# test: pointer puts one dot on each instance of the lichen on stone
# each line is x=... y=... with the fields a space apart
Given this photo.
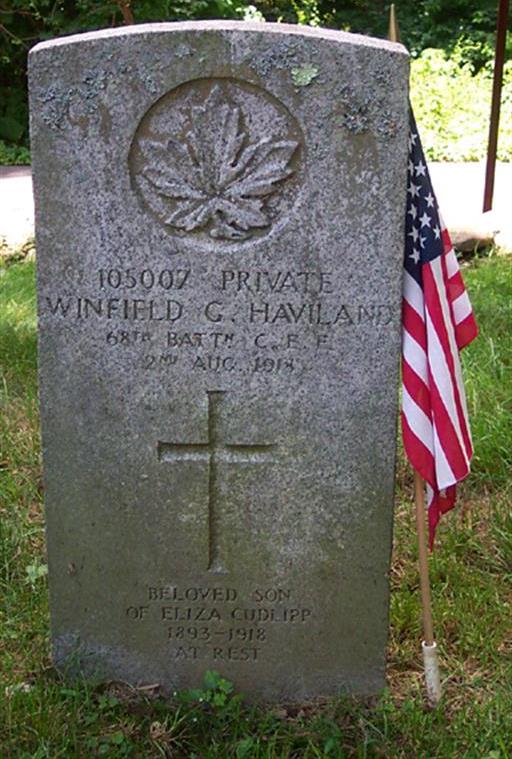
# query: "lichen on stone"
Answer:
x=304 y=75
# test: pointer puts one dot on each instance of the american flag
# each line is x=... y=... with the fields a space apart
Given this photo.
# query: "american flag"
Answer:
x=437 y=323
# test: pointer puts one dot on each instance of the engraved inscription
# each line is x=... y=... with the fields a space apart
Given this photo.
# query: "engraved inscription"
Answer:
x=246 y=321
x=217 y=159
x=165 y=279
x=214 y=452
x=220 y=623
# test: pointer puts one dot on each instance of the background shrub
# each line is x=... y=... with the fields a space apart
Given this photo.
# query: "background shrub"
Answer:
x=464 y=32
x=452 y=107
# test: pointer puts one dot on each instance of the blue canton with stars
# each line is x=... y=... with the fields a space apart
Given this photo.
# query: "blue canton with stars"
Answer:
x=423 y=239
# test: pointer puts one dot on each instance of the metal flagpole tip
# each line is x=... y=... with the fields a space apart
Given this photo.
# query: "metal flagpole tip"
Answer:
x=432 y=678
x=393 y=31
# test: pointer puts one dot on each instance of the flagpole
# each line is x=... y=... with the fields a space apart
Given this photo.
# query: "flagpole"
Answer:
x=393 y=31
x=428 y=644
x=419 y=499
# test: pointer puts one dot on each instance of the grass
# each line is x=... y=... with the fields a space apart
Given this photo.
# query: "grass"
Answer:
x=43 y=716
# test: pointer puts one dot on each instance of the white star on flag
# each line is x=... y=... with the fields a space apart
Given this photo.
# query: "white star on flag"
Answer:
x=420 y=169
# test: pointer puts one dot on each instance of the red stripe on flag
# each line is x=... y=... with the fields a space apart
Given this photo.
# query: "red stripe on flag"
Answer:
x=466 y=331
x=457 y=371
x=440 y=504
x=454 y=287
x=445 y=236
x=416 y=388
x=448 y=437
x=435 y=311
x=414 y=324
x=418 y=454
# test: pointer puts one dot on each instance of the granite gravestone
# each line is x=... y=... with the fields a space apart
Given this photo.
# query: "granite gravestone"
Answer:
x=220 y=214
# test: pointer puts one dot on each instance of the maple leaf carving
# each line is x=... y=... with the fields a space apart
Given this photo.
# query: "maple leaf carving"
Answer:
x=215 y=177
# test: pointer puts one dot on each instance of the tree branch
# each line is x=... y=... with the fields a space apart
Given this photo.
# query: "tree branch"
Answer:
x=125 y=7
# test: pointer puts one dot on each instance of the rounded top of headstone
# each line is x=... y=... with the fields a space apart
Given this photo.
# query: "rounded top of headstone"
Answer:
x=241 y=27
x=219 y=132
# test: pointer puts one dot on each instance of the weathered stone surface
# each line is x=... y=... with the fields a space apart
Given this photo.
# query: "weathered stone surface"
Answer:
x=219 y=226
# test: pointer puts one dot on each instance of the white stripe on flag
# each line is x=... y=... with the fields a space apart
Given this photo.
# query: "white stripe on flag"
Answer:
x=413 y=294
x=415 y=356
x=441 y=375
x=461 y=307
x=417 y=420
x=444 y=474
x=452 y=265
x=437 y=270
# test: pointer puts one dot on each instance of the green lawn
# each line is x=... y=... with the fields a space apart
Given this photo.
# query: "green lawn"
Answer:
x=40 y=716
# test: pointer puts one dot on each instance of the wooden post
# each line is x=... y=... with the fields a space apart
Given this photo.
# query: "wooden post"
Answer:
x=492 y=149
x=419 y=499
x=428 y=645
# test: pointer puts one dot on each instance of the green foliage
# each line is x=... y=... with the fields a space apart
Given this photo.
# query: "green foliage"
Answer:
x=453 y=25
x=35 y=572
x=23 y=23
x=42 y=716
x=14 y=155
x=452 y=106
x=458 y=27
x=216 y=697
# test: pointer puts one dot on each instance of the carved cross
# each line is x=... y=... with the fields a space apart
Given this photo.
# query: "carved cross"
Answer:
x=215 y=452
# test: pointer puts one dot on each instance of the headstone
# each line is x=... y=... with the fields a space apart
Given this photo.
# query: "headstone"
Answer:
x=220 y=213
